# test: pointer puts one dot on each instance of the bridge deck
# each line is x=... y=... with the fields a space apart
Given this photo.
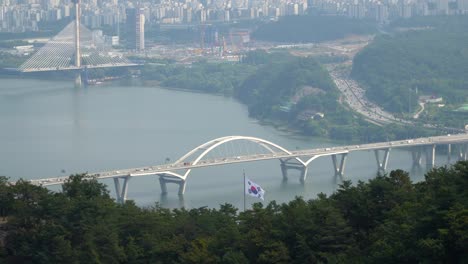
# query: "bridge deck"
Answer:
x=77 y=68
x=318 y=152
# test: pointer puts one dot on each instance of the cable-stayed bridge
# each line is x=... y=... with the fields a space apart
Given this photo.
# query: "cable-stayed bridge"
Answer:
x=59 y=53
x=240 y=149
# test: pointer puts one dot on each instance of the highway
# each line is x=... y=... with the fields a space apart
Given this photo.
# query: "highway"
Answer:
x=355 y=97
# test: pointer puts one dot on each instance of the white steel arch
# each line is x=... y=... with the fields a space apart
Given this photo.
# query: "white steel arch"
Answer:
x=212 y=144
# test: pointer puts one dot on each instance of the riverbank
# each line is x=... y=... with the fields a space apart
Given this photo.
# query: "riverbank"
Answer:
x=291 y=94
x=347 y=134
x=365 y=129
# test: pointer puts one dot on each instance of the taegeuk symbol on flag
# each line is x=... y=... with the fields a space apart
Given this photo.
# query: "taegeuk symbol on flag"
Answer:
x=253 y=189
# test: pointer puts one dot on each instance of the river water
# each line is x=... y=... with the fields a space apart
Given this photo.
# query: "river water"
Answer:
x=49 y=128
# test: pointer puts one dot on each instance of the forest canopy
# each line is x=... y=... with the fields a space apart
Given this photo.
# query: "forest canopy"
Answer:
x=431 y=59
x=387 y=219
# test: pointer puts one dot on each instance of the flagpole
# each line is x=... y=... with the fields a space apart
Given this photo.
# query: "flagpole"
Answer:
x=244 y=190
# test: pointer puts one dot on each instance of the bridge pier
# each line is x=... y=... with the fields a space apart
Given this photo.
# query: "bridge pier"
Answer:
x=78 y=81
x=449 y=153
x=463 y=152
x=303 y=174
x=121 y=193
x=284 y=171
x=164 y=181
x=430 y=156
x=339 y=168
x=285 y=166
x=416 y=154
x=382 y=165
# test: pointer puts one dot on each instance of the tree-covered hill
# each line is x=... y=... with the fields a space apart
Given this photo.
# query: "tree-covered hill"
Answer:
x=432 y=61
x=300 y=93
x=388 y=219
x=219 y=78
x=275 y=83
x=288 y=91
x=312 y=28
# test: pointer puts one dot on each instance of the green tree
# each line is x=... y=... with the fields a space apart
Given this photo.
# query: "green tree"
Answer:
x=6 y=197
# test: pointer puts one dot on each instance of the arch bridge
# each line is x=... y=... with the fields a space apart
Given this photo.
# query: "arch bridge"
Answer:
x=239 y=149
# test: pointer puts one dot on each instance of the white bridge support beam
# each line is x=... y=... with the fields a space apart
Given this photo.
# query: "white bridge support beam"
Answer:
x=78 y=80
x=449 y=153
x=430 y=156
x=284 y=171
x=339 y=168
x=286 y=165
x=463 y=152
x=163 y=181
x=303 y=175
x=121 y=193
x=416 y=154
x=382 y=165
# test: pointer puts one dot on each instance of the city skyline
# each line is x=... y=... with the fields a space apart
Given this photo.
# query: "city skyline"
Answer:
x=27 y=15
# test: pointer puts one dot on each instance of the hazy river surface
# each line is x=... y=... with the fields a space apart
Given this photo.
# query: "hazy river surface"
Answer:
x=49 y=126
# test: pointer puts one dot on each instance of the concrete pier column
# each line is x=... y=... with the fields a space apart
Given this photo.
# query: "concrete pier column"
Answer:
x=449 y=153
x=339 y=168
x=466 y=153
x=293 y=165
x=284 y=170
x=163 y=185
x=163 y=181
x=430 y=156
x=303 y=175
x=463 y=152
x=382 y=165
x=121 y=191
x=416 y=155
x=460 y=152
x=182 y=187
x=78 y=81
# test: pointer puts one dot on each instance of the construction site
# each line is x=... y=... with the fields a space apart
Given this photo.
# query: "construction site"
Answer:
x=210 y=43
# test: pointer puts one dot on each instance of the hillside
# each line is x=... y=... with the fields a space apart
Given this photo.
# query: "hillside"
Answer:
x=429 y=57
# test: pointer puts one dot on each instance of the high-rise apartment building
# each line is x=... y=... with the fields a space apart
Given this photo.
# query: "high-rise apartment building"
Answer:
x=140 y=30
x=135 y=28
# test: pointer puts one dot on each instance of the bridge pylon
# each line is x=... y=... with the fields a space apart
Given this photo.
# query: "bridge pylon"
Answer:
x=292 y=164
x=121 y=191
x=449 y=153
x=163 y=181
x=430 y=156
x=416 y=154
x=382 y=165
x=339 y=167
x=78 y=80
x=463 y=152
